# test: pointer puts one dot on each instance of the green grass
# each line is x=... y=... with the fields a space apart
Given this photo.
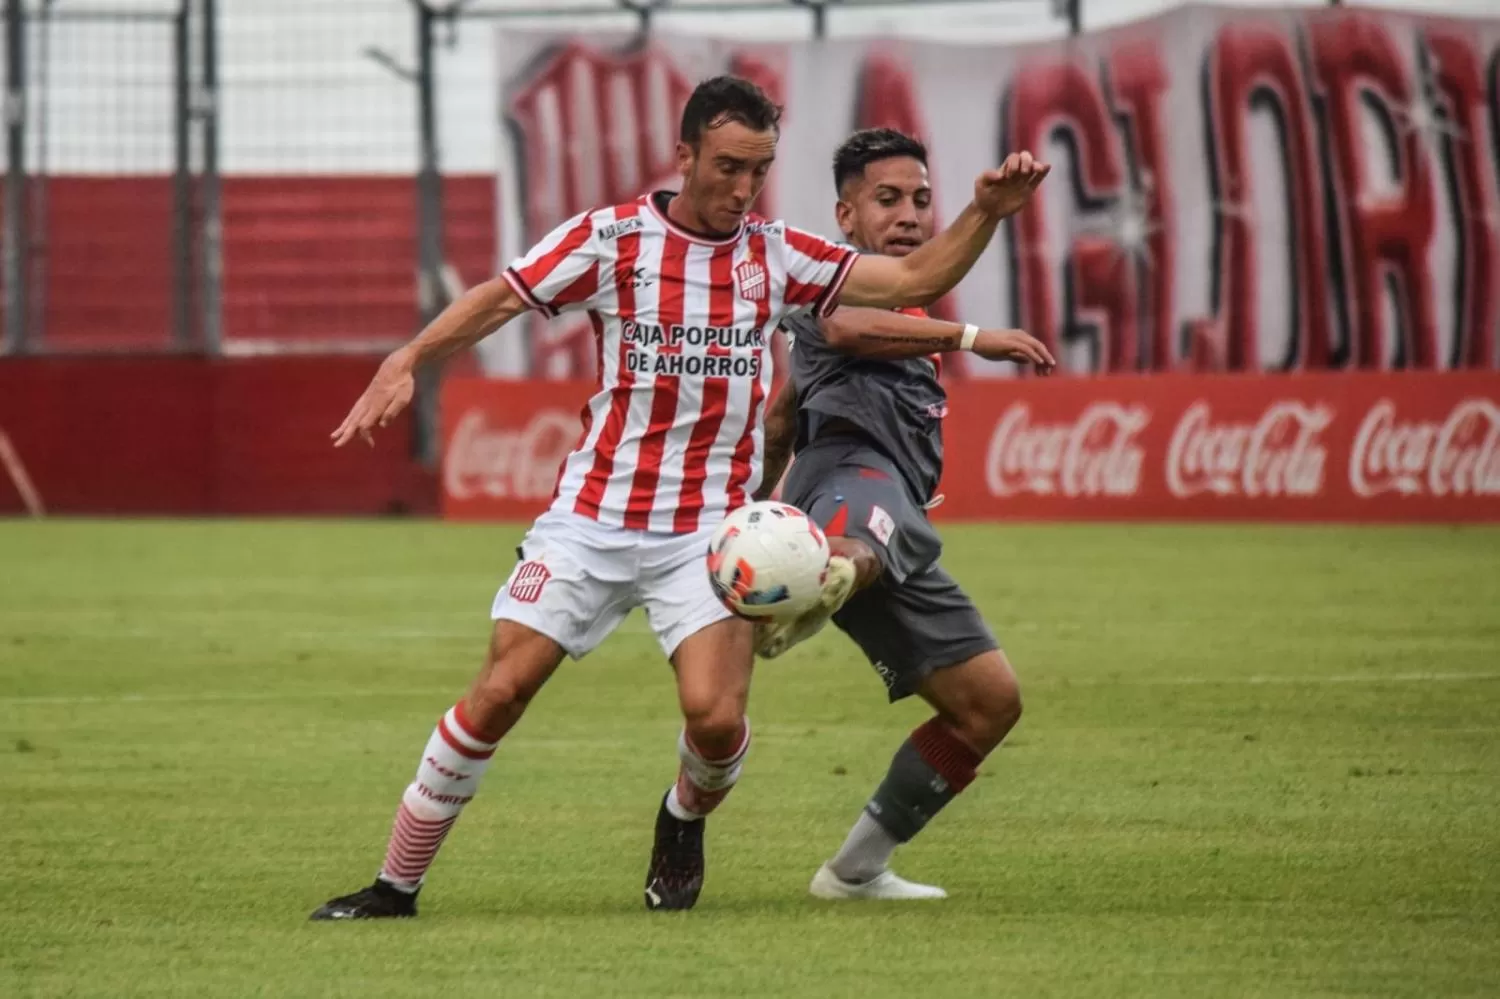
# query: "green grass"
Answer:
x=1254 y=762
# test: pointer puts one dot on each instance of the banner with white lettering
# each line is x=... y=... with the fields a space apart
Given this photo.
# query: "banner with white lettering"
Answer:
x=1409 y=446
x=1234 y=190
x=504 y=443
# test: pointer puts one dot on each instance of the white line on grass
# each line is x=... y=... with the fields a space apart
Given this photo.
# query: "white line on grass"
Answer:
x=220 y=696
x=1255 y=681
x=335 y=695
x=336 y=633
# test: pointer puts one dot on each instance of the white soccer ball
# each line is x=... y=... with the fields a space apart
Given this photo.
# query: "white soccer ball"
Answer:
x=768 y=559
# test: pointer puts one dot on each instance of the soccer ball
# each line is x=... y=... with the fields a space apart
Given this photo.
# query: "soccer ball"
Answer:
x=768 y=559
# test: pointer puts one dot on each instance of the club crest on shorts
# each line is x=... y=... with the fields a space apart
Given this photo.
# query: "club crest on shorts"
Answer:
x=750 y=277
x=882 y=525
x=526 y=585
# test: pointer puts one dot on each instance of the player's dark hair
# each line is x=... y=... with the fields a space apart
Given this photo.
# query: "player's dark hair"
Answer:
x=871 y=145
x=724 y=99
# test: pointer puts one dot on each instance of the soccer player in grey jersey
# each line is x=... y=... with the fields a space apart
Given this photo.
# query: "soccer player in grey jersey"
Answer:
x=864 y=410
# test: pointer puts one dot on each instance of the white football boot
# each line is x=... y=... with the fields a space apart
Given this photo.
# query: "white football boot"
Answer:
x=772 y=638
x=887 y=885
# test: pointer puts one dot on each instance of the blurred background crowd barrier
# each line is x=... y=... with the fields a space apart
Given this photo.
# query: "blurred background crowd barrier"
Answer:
x=218 y=214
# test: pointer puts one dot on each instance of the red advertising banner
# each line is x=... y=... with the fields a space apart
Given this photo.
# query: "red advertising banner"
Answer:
x=1342 y=447
x=1335 y=447
x=504 y=443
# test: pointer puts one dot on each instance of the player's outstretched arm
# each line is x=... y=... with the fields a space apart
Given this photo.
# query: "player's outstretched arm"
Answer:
x=468 y=319
x=929 y=273
x=781 y=435
x=882 y=335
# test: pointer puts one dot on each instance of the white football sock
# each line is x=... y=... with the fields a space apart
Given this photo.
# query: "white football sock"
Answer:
x=866 y=852
x=452 y=763
x=703 y=783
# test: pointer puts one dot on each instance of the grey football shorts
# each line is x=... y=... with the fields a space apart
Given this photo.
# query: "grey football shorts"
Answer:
x=915 y=619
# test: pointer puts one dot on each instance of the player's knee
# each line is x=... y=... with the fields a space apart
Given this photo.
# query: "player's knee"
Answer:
x=1005 y=703
x=514 y=672
x=999 y=707
x=500 y=690
x=989 y=708
x=715 y=727
x=496 y=702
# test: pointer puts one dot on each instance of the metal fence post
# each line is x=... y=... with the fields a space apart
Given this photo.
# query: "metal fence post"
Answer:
x=16 y=275
x=430 y=294
x=182 y=184
x=212 y=271
x=819 y=11
x=642 y=9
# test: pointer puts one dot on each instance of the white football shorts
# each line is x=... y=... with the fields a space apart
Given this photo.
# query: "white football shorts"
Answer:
x=577 y=579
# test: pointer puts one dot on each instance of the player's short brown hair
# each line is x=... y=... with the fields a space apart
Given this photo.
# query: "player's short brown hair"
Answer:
x=723 y=99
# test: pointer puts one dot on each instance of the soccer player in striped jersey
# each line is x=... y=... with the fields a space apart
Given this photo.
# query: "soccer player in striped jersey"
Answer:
x=865 y=410
x=684 y=291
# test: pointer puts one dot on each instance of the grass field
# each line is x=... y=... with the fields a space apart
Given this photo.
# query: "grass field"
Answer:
x=1254 y=762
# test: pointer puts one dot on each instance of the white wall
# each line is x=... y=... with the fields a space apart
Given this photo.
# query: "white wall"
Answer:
x=300 y=95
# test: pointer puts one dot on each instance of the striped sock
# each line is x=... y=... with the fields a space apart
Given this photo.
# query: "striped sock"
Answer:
x=452 y=763
x=702 y=784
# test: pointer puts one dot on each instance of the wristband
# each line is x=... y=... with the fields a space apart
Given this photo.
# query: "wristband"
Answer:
x=971 y=333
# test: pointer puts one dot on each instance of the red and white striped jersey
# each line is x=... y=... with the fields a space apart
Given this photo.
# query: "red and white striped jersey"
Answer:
x=672 y=439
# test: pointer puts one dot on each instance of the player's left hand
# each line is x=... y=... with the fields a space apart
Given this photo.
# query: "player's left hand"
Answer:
x=1003 y=192
x=1015 y=345
x=389 y=392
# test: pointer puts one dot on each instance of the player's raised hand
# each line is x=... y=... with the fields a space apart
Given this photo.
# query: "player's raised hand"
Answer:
x=389 y=392
x=1003 y=192
x=1015 y=345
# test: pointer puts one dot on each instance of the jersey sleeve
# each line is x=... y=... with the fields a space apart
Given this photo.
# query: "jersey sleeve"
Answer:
x=802 y=328
x=560 y=273
x=815 y=271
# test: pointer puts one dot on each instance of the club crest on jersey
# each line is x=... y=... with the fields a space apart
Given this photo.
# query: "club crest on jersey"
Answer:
x=526 y=585
x=750 y=278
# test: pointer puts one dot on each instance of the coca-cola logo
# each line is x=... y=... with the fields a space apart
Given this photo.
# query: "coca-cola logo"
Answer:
x=1280 y=454
x=1095 y=455
x=507 y=462
x=1459 y=456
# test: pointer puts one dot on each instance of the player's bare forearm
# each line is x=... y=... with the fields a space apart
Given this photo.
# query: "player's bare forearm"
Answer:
x=928 y=273
x=941 y=263
x=474 y=315
x=878 y=334
x=881 y=335
x=468 y=319
x=781 y=435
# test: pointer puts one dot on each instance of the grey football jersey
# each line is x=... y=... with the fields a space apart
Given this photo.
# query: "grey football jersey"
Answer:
x=899 y=405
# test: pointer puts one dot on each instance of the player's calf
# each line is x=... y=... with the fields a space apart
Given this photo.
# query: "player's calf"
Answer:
x=519 y=663
x=931 y=768
x=713 y=684
x=979 y=700
x=454 y=760
x=713 y=667
x=674 y=876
